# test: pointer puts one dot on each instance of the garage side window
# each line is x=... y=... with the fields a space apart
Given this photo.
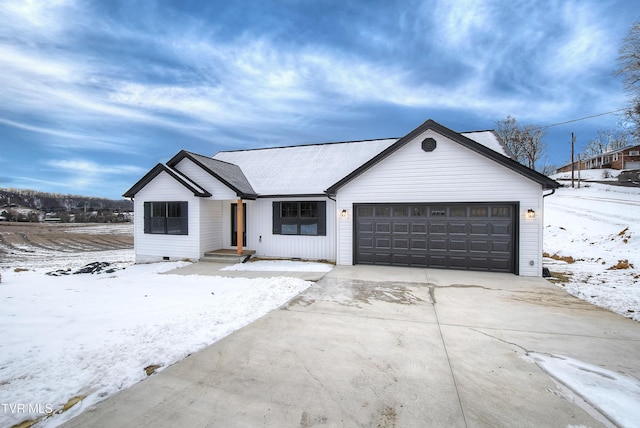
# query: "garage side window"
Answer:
x=300 y=218
x=168 y=218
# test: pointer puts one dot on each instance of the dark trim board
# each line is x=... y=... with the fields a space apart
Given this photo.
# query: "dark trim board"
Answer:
x=478 y=236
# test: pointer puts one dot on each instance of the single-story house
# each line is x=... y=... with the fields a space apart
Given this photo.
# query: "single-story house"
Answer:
x=434 y=198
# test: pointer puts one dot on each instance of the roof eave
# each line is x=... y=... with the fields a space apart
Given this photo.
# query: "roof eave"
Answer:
x=545 y=181
x=185 y=154
x=153 y=173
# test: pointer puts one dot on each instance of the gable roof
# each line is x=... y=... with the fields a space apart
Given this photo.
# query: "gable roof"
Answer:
x=229 y=174
x=545 y=181
x=302 y=170
x=321 y=169
x=176 y=175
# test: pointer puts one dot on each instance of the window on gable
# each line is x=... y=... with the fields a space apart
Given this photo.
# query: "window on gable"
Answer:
x=300 y=218
x=168 y=218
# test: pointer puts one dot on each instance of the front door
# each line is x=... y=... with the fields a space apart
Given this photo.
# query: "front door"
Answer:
x=234 y=225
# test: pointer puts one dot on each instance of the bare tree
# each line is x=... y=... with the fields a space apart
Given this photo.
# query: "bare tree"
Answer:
x=629 y=62
x=524 y=141
x=509 y=131
x=606 y=141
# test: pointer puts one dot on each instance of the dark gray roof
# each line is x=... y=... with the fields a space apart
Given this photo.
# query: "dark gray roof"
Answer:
x=229 y=174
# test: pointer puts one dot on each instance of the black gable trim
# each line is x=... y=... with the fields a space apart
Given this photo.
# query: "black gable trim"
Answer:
x=193 y=157
x=154 y=173
x=545 y=181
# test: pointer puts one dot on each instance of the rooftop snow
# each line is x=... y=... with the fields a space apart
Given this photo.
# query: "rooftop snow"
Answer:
x=278 y=171
x=490 y=140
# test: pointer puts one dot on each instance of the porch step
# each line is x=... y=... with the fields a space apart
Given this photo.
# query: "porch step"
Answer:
x=227 y=256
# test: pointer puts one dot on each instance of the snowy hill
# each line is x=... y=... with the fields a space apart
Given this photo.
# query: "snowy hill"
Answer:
x=592 y=244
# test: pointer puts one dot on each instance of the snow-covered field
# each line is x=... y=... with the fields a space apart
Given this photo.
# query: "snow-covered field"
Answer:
x=92 y=335
x=597 y=230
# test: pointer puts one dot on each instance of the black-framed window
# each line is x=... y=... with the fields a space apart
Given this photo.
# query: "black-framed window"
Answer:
x=300 y=218
x=168 y=218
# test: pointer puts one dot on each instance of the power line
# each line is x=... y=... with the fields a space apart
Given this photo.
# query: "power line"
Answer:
x=577 y=120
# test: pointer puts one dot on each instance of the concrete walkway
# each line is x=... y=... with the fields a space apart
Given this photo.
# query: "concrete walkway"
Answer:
x=388 y=347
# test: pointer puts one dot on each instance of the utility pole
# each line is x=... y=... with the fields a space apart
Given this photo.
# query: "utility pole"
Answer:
x=579 y=169
x=573 y=140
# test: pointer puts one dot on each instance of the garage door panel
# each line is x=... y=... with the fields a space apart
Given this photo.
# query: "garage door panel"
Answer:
x=456 y=236
x=400 y=227
x=418 y=228
x=478 y=263
x=399 y=259
x=437 y=228
x=383 y=243
x=437 y=244
x=500 y=247
x=437 y=261
x=458 y=262
x=456 y=228
x=458 y=245
x=479 y=245
x=501 y=229
x=364 y=226
x=401 y=243
x=382 y=258
x=383 y=227
x=479 y=229
x=365 y=242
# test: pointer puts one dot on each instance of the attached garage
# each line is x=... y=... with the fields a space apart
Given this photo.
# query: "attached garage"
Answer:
x=441 y=199
x=471 y=236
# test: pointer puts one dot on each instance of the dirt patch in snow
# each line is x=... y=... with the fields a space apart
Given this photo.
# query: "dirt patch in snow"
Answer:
x=22 y=243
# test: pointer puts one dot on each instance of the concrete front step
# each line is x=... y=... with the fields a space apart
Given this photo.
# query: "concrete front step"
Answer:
x=227 y=256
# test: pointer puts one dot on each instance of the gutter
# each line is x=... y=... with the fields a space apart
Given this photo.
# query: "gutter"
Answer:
x=549 y=194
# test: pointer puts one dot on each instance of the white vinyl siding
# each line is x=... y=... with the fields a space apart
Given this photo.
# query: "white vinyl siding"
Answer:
x=451 y=173
x=261 y=239
x=210 y=225
x=155 y=247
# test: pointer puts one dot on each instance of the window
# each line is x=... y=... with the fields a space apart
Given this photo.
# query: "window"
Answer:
x=168 y=218
x=634 y=153
x=300 y=218
x=500 y=212
x=479 y=212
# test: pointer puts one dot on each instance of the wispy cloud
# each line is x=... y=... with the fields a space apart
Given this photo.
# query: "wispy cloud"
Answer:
x=137 y=79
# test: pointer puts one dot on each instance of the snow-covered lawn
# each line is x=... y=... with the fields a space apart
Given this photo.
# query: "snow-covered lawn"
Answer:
x=597 y=230
x=92 y=335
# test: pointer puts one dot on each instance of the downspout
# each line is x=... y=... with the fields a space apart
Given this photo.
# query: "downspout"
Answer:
x=335 y=233
x=549 y=194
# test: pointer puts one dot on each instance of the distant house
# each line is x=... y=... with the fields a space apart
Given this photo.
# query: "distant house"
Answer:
x=433 y=198
x=626 y=158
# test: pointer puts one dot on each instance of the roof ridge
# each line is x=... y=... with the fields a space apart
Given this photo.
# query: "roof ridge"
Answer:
x=307 y=145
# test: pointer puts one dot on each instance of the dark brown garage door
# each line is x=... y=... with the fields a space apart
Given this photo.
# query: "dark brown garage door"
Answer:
x=456 y=236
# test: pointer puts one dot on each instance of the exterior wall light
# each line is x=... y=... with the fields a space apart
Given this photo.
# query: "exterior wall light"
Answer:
x=531 y=214
x=343 y=214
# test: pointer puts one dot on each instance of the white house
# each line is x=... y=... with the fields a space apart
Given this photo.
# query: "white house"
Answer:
x=433 y=198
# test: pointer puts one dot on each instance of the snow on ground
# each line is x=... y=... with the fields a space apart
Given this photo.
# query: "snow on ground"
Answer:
x=612 y=394
x=93 y=335
x=598 y=227
x=280 y=266
x=604 y=174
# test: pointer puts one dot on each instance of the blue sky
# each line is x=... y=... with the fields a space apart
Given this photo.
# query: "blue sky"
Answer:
x=94 y=94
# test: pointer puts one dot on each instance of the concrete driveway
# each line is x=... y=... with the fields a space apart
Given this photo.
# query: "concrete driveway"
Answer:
x=389 y=347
